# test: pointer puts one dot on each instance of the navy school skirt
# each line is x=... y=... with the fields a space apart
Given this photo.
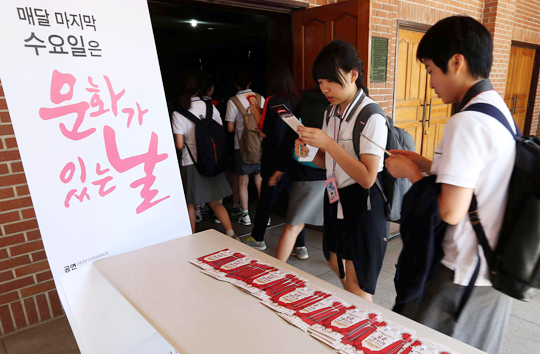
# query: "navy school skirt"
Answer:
x=361 y=236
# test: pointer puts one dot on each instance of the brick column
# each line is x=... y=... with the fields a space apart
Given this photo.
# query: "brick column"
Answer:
x=499 y=20
x=27 y=292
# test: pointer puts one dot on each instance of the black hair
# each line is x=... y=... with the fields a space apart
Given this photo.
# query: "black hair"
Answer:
x=338 y=55
x=281 y=83
x=190 y=84
x=458 y=35
x=242 y=79
x=206 y=83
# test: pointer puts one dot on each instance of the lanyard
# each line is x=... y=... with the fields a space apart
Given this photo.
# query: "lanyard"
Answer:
x=338 y=116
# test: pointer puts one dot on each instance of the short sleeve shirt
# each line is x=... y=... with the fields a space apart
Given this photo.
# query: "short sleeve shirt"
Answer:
x=234 y=115
x=475 y=152
x=375 y=129
x=185 y=127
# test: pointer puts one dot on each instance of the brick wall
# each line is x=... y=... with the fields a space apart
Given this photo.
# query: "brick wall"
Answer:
x=27 y=291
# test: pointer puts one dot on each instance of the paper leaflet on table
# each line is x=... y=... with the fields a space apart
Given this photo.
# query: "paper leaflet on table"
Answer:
x=425 y=346
x=351 y=320
x=293 y=122
x=344 y=328
x=379 y=337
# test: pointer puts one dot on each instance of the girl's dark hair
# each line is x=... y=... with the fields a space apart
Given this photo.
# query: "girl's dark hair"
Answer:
x=338 y=55
x=206 y=83
x=458 y=35
x=190 y=84
x=281 y=83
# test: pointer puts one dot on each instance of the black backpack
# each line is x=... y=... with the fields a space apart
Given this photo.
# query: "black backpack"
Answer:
x=514 y=264
x=392 y=189
x=213 y=148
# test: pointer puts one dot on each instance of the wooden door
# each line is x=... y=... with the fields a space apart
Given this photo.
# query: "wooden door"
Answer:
x=418 y=110
x=518 y=84
x=315 y=28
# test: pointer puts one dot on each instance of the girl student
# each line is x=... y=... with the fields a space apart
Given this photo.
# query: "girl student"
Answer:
x=355 y=228
x=197 y=188
x=276 y=156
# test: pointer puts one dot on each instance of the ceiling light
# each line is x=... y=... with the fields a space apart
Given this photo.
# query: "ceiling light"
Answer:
x=210 y=28
x=193 y=23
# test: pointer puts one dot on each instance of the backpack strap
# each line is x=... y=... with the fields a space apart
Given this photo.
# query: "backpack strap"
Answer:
x=361 y=121
x=329 y=112
x=494 y=112
x=189 y=115
x=209 y=109
x=239 y=105
x=195 y=121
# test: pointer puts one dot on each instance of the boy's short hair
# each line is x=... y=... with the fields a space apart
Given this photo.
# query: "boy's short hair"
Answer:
x=458 y=35
x=242 y=79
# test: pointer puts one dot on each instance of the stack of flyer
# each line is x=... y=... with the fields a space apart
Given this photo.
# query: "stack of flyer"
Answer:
x=344 y=328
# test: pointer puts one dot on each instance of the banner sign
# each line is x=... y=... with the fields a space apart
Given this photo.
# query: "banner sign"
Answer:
x=84 y=92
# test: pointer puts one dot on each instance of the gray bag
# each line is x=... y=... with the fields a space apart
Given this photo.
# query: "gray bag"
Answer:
x=392 y=189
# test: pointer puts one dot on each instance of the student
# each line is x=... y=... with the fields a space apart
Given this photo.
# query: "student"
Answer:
x=197 y=188
x=306 y=202
x=354 y=239
x=476 y=155
x=235 y=123
x=275 y=132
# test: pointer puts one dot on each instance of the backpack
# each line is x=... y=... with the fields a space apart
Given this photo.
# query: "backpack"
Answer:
x=392 y=189
x=514 y=264
x=251 y=140
x=213 y=148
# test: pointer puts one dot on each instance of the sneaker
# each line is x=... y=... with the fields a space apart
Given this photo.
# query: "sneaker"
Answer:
x=300 y=252
x=250 y=241
x=205 y=209
x=236 y=211
x=198 y=218
x=244 y=220
x=216 y=220
x=269 y=222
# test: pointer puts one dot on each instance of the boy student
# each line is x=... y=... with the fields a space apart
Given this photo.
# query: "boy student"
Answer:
x=235 y=123
x=476 y=155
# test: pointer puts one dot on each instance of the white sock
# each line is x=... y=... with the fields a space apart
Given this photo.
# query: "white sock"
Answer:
x=230 y=233
x=245 y=212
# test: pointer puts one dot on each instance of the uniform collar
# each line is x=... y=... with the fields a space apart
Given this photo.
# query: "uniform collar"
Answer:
x=351 y=107
x=192 y=99
x=244 y=91
x=475 y=90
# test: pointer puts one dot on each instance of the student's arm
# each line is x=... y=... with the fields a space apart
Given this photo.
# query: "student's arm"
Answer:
x=179 y=141
x=230 y=115
x=364 y=172
x=454 y=203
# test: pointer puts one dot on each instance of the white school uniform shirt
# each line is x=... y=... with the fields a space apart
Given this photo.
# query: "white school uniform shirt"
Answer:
x=234 y=115
x=183 y=126
x=375 y=130
x=476 y=152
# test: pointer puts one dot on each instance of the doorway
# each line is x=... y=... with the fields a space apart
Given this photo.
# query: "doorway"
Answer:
x=218 y=40
x=518 y=84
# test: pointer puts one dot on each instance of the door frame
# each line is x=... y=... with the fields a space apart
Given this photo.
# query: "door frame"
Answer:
x=534 y=84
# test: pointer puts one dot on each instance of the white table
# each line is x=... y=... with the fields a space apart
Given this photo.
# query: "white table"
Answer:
x=198 y=314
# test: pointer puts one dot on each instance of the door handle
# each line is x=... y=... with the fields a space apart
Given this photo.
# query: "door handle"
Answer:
x=429 y=115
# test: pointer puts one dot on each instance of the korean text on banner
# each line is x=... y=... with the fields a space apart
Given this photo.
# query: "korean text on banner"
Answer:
x=84 y=92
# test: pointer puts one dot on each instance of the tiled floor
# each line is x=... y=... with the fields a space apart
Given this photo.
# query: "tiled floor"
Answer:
x=522 y=337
